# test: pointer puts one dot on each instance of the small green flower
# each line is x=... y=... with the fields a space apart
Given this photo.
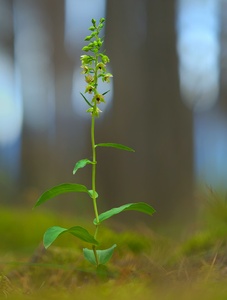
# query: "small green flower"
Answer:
x=97 y=111
x=101 y=66
x=85 y=69
x=90 y=110
x=89 y=89
x=98 y=98
x=89 y=78
x=86 y=59
x=94 y=110
x=106 y=77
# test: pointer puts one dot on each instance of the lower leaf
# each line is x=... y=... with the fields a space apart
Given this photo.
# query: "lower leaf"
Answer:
x=54 y=232
x=103 y=255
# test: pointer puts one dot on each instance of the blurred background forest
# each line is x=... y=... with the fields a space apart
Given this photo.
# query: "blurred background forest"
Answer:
x=167 y=101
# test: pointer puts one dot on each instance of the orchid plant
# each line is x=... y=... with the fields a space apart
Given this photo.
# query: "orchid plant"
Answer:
x=94 y=69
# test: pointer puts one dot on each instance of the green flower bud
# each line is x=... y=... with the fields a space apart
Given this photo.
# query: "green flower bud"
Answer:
x=99 y=42
x=92 y=28
x=105 y=58
x=86 y=48
x=88 y=38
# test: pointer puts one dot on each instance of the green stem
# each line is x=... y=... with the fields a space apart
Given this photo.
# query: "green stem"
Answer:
x=94 y=162
x=95 y=254
x=94 y=182
x=94 y=166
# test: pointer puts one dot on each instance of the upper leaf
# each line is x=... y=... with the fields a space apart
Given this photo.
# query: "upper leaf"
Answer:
x=105 y=92
x=85 y=99
x=61 y=189
x=114 y=145
x=53 y=233
x=140 y=206
x=81 y=163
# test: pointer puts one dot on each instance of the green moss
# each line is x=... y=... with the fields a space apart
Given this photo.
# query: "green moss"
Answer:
x=23 y=230
x=144 y=266
x=199 y=242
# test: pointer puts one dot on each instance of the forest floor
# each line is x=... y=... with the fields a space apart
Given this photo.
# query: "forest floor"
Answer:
x=145 y=264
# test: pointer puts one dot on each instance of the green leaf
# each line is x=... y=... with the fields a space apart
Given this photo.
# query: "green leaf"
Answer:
x=61 y=189
x=140 y=206
x=81 y=164
x=103 y=255
x=53 y=233
x=85 y=99
x=114 y=145
x=105 y=92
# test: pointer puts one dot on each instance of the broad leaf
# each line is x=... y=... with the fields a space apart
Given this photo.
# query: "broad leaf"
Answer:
x=53 y=233
x=140 y=206
x=81 y=164
x=61 y=189
x=117 y=146
x=103 y=255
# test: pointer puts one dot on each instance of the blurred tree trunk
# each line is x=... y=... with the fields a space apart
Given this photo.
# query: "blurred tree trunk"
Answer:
x=148 y=113
x=43 y=149
x=9 y=150
x=223 y=56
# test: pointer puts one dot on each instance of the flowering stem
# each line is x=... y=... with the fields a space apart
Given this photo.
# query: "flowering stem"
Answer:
x=94 y=170
x=94 y=68
x=94 y=150
x=94 y=181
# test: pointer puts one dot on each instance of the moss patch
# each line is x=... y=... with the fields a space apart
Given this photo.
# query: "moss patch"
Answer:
x=145 y=265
